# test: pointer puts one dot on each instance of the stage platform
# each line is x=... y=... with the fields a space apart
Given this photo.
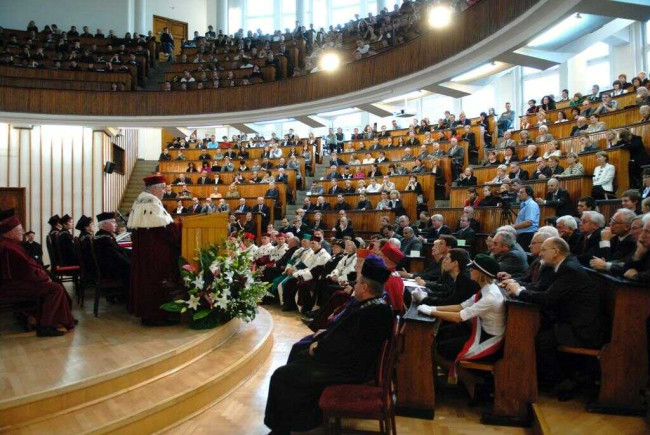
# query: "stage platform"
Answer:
x=113 y=375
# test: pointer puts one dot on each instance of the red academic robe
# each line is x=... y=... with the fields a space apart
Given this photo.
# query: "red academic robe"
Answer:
x=154 y=270
x=22 y=279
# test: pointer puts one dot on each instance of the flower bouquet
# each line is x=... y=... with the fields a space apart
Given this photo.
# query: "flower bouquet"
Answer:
x=225 y=285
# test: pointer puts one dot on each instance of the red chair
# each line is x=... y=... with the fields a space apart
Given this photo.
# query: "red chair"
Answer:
x=368 y=402
x=60 y=273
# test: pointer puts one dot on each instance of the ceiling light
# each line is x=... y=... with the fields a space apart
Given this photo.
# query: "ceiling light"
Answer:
x=330 y=62
x=440 y=15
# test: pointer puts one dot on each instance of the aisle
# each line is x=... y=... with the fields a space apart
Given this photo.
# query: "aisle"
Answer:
x=243 y=411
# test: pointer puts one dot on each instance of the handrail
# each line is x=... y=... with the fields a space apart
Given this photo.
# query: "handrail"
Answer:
x=470 y=27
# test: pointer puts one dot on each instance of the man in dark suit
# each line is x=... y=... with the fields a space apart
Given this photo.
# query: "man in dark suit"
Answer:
x=570 y=311
x=272 y=192
x=511 y=260
x=591 y=224
x=568 y=229
x=363 y=203
x=169 y=193
x=195 y=207
x=458 y=282
x=374 y=146
x=557 y=198
x=113 y=261
x=466 y=233
x=181 y=180
x=307 y=205
x=33 y=249
x=264 y=210
x=242 y=207
x=438 y=228
x=341 y=204
x=334 y=188
x=638 y=155
x=335 y=160
x=617 y=244
x=517 y=173
x=321 y=205
x=204 y=179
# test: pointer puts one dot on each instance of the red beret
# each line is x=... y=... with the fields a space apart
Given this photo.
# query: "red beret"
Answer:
x=154 y=179
x=250 y=236
x=9 y=224
x=391 y=252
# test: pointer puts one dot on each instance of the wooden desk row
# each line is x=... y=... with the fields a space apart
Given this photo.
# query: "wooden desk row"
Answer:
x=551 y=116
x=395 y=154
x=361 y=220
x=170 y=205
x=615 y=119
x=617 y=157
x=228 y=177
x=179 y=166
x=427 y=180
x=239 y=73
x=409 y=201
x=253 y=153
x=576 y=186
x=60 y=74
x=490 y=218
x=248 y=190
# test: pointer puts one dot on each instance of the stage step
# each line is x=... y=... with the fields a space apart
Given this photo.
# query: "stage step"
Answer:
x=165 y=397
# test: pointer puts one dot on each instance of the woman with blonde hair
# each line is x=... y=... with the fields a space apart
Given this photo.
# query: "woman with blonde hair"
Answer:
x=574 y=167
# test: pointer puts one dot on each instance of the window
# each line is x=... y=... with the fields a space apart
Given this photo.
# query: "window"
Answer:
x=597 y=65
x=647 y=45
x=539 y=83
x=259 y=14
x=118 y=159
x=478 y=102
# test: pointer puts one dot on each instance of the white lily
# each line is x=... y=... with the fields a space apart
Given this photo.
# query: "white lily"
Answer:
x=193 y=303
x=198 y=282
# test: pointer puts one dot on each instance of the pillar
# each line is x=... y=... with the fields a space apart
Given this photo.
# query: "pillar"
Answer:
x=300 y=13
x=381 y=4
x=140 y=12
x=222 y=16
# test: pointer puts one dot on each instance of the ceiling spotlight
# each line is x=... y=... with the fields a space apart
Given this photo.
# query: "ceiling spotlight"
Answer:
x=440 y=15
x=330 y=61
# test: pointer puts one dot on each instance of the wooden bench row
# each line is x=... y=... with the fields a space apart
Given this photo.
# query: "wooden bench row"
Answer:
x=170 y=205
x=253 y=153
x=227 y=177
x=179 y=166
x=80 y=76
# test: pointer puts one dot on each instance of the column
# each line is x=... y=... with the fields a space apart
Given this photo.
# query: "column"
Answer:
x=300 y=13
x=222 y=16
x=381 y=4
x=140 y=12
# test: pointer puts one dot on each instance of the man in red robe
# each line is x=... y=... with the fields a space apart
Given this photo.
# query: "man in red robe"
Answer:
x=154 y=258
x=23 y=279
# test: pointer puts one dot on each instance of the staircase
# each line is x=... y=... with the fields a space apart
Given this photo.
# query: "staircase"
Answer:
x=319 y=172
x=142 y=169
x=157 y=76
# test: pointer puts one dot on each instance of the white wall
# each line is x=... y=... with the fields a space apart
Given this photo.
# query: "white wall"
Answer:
x=61 y=168
x=193 y=12
x=149 y=143
x=113 y=14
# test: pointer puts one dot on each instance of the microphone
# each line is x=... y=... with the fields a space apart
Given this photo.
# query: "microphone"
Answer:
x=122 y=218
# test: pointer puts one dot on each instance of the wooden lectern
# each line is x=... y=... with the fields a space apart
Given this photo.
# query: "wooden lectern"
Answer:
x=200 y=231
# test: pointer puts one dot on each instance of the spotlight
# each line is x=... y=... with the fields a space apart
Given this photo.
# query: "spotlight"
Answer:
x=330 y=61
x=440 y=15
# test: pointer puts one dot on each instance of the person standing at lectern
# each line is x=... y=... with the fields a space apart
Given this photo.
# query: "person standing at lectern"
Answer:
x=154 y=258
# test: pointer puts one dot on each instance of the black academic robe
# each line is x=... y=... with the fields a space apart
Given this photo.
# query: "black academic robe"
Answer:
x=66 y=248
x=34 y=250
x=114 y=261
x=346 y=354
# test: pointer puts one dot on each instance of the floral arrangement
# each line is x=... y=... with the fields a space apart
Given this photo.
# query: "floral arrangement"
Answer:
x=222 y=287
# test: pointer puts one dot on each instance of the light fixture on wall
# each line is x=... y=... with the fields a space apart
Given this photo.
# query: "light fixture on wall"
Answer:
x=330 y=61
x=440 y=14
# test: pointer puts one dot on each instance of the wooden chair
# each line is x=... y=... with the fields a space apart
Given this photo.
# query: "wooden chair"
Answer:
x=370 y=402
x=86 y=276
x=60 y=273
x=105 y=286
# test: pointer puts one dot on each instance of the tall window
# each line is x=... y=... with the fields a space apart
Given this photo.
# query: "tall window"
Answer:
x=647 y=45
x=344 y=10
x=538 y=83
x=598 y=67
x=478 y=102
x=260 y=15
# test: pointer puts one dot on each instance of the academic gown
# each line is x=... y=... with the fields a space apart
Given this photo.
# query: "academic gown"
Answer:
x=154 y=258
x=34 y=250
x=346 y=354
x=66 y=248
x=21 y=279
x=113 y=260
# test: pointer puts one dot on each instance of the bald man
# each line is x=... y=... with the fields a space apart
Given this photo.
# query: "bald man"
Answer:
x=557 y=198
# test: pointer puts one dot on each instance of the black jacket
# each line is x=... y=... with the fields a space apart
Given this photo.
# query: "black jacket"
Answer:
x=461 y=290
x=571 y=300
x=561 y=202
x=114 y=261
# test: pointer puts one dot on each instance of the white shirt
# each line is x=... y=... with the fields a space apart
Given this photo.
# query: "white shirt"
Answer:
x=604 y=176
x=491 y=308
x=373 y=189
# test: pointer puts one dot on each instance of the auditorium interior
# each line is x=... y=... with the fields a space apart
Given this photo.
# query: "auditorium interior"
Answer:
x=325 y=216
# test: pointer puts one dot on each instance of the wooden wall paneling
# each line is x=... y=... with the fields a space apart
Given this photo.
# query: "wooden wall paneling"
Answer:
x=5 y=134
x=422 y=52
x=12 y=157
x=97 y=172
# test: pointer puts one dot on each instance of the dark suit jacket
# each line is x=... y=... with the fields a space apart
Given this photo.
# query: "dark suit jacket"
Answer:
x=433 y=234
x=273 y=193
x=322 y=207
x=195 y=208
x=471 y=181
x=334 y=190
x=523 y=175
x=561 y=202
x=462 y=289
x=457 y=153
x=590 y=247
x=637 y=150
x=618 y=249
x=468 y=235
x=575 y=242
x=513 y=262
x=341 y=206
x=242 y=209
x=339 y=234
x=364 y=205
x=570 y=300
x=206 y=181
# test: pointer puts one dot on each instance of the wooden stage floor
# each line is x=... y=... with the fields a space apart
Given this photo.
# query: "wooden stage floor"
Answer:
x=116 y=341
